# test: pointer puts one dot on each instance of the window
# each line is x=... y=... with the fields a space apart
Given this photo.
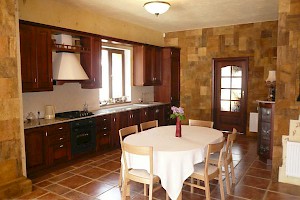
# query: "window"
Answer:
x=116 y=73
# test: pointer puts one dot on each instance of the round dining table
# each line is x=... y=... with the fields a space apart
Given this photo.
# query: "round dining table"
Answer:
x=173 y=157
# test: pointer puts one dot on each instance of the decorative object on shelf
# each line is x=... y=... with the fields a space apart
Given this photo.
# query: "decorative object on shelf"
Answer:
x=271 y=84
x=178 y=113
x=157 y=7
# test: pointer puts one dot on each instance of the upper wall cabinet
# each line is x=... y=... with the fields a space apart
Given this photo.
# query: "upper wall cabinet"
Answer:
x=36 y=58
x=146 y=65
x=90 y=61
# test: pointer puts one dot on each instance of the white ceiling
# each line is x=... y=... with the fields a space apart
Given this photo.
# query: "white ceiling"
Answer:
x=186 y=14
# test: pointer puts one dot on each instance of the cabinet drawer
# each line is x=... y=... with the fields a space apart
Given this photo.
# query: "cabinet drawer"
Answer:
x=59 y=138
x=103 y=142
x=104 y=121
x=59 y=128
x=59 y=152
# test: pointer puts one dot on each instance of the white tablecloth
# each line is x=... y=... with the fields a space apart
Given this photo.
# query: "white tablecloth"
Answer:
x=173 y=157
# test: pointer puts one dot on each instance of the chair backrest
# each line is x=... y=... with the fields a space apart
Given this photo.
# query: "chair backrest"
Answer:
x=194 y=122
x=127 y=131
x=137 y=150
x=148 y=125
x=230 y=139
x=214 y=148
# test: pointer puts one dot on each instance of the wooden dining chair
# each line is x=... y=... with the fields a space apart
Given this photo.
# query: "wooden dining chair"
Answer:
x=208 y=170
x=195 y=122
x=227 y=160
x=147 y=125
x=138 y=175
x=122 y=134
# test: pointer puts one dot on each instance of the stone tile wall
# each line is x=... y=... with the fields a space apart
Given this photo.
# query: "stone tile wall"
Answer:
x=258 y=41
x=10 y=130
x=287 y=77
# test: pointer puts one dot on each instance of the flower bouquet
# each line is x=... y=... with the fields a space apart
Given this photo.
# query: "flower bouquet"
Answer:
x=178 y=113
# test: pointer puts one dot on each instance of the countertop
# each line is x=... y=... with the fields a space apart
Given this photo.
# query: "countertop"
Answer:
x=102 y=111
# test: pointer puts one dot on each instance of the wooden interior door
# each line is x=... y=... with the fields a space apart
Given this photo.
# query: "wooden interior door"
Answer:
x=230 y=94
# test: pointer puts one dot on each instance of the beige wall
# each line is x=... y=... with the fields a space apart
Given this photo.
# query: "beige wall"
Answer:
x=56 y=13
x=258 y=41
x=287 y=78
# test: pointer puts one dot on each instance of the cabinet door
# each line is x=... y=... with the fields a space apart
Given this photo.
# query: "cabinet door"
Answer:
x=35 y=143
x=175 y=76
x=104 y=132
x=44 y=59
x=90 y=61
x=156 y=68
x=144 y=114
x=28 y=64
x=134 y=117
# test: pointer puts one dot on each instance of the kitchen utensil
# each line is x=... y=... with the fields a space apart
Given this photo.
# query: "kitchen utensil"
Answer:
x=49 y=112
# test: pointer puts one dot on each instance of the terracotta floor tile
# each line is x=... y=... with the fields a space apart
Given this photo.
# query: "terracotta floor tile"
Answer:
x=81 y=169
x=94 y=188
x=94 y=173
x=229 y=197
x=74 y=195
x=280 y=196
x=261 y=165
x=74 y=181
x=259 y=173
x=51 y=196
x=43 y=183
x=36 y=192
x=255 y=182
x=114 y=193
x=248 y=192
x=60 y=177
x=63 y=170
x=186 y=195
x=57 y=189
x=42 y=178
x=111 y=165
x=82 y=163
x=111 y=179
x=285 y=188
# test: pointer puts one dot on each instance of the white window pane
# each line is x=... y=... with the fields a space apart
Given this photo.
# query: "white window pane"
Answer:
x=225 y=82
x=117 y=79
x=104 y=91
x=236 y=94
x=236 y=71
x=128 y=74
x=236 y=82
x=235 y=106
x=226 y=71
x=225 y=94
x=225 y=105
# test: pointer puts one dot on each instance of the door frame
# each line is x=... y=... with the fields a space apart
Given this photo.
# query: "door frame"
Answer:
x=213 y=109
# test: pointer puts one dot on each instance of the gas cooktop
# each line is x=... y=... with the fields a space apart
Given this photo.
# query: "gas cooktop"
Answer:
x=73 y=114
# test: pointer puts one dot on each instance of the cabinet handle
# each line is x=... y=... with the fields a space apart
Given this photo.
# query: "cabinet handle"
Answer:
x=104 y=119
x=145 y=112
x=105 y=134
x=114 y=119
x=104 y=128
x=157 y=110
x=61 y=146
x=60 y=128
x=94 y=80
x=51 y=80
x=46 y=134
x=35 y=80
x=61 y=138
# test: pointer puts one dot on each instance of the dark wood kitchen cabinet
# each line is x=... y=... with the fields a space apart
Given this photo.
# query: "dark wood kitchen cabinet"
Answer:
x=134 y=117
x=91 y=62
x=35 y=148
x=59 y=145
x=157 y=113
x=169 y=90
x=36 y=58
x=265 y=131
x=146 y=65
x=104 y=132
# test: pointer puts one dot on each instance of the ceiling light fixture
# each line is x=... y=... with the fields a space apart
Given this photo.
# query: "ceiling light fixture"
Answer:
x=157 y=7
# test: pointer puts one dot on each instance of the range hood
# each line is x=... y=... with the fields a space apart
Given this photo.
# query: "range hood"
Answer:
x=65 y=65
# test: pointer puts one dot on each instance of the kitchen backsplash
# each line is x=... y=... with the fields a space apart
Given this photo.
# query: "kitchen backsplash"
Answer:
x=70 y=96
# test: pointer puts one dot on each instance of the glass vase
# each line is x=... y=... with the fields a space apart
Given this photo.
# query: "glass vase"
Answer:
x=178 y=127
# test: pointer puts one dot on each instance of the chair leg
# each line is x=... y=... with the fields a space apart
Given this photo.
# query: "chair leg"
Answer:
x=150 y=190
x=232 y=172
x=192 y=182
x=227 y=178
x=221 y=185
x=124 y=189
x=207 y=189
x=120 y=177
x=145 y=190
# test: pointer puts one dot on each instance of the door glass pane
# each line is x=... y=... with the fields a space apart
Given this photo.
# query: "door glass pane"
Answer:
x=117 y=71
x=236 y=71
x=235 y=106
x=225 y=105
x=236 y=94
x=236 y=83
x=104 y=91
x=225 y=82
x=226 y=71
x=225 y=94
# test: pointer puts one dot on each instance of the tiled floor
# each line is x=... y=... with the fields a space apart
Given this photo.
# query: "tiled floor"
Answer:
x=97 y=178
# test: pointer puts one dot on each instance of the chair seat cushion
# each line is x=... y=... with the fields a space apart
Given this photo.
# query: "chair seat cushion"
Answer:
x=199 y=169
x=141 y=173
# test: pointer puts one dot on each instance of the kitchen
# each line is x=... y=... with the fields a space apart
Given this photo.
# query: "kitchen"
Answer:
x=64 y=17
